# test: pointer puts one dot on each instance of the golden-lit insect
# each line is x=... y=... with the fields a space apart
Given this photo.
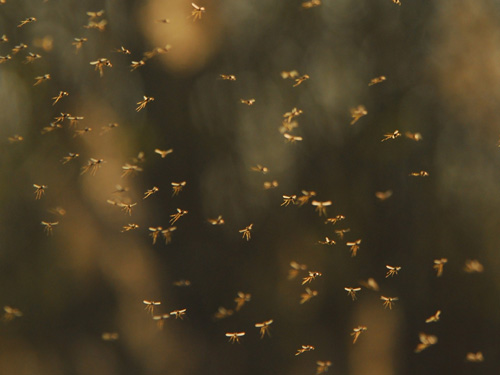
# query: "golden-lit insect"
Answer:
x=78 y=43
x=130 y=170
x=235 y=336
x=48 y=227
x=247 y=101
x=59 y=96
x=321 y=206
x=414 y=136
x=341 y=232
x=157 y=51
x=177 y=187
x=4 y=58
x=167 y=234
x=112 y=202
x=264 y=328
x=304 y=297
x=222 y=313
x=11 y=313
x=182 y=283
x=122 y=50
x=290 y=74
x=327 y=241
x=142 y=103
x=376 y=80
x=73 y=121
x=120 y=189
x=155 y=231
x=140 y=158
x=299 y=80
x=352 y=292
x=82 y=131
x=197 y=12
x=438 y=265
x=101 y=25
x=127 y=208
x=358 y=331
x=292 y=138
x=392 y=135
x=474 y=357
x=334 y=220
x=246 y=232
x=4 y=39
x=32 y=57
x=472 y=266
x=383 y=195
x=304 y=348
x=150 y=305
x=110 y=336
x=128 y=227
x=71 y=156
x=62 y=117
x=354 y=247
x=433 y=318
x=419 y=174
x=218 y=221
x=92 y=165
x=287 y=199
x=308 y=5
x=94 y=15
x=136 y=64
x=392 y=271
x=227 y=77
x=293 y=113
x=100 y=64
x=311 y=277
x=357 y=113
x=150 y=192
x=58 y=211
x=178 y=313
x=39 y=190
x=18 y=48
x=370 y=284
x=27 y=20
x=15 y=138
x=397 y=2
x=425 y=341
x=322 y=365
x=287 y=127
x=295 y=269
x=178 y=215
x=241 y=299
x=163 y=153
x=260 y=168
x=388 y=301
x=108 y=127
x=160 y=320
x=41 y=79
x=304 y=198
x=270 y=184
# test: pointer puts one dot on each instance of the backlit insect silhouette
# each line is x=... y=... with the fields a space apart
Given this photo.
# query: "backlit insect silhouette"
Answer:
x=388 y=301
x=150 y=192
x=82 y=131
x=120 y=189
x=197 y=12
x=218 y=221
x=474 y=357
x=304 y=297
x=160 y=320
x=59 y=96
x=291 y=74
x=18 y=48
x=39 y=190
x=322 y=365
x=356 y=332
x=321 y=207
x=327 y=241
x=299 y=80
x=227 y=77
x=354 y=247
x=155 y=232
x=392 y=135
x=108 y=127
x=352 y=292
x=11 y=313
x=472 y=266
x=425 y=341
x=295 y=269
x=92 y=166
x=264 y=328
x=130 y=170
x=305 y=348
x=241 y=299
x=110 y=336
x=287 y=199
x=78 y=43
x=334 y=220
x=260 y=168
x=41 y=79
x=292 y=138
x=370 y=284
x=414 y=136
x=100 y=64
x=357 y=113
x=177 y=187
x=304 y=198
x=180 y=213
x=164 y=20
x=433 y=318
x=308 y=5
x=49 y=226
x=392 y=271
x=311 y=277
x=178 y=313
x=163 y=153
x=157 y=51
x=376 y=80
x=122 y=50
x=293 y=113
x=150 y=305
x=32 y=57
x=136 y=64
x=246 y=232
x=235 y=336
x=419 y=174
x=222 y=313
x=27 y=20
x=4 y=58
x=167 y=234
x=182 y=283
x=15 y=138
x=142 y=103
x=248 y=101
x=127 y=208
x=270 y=184
x=101 y=25
x=128 y=227
x=383 y=195
x=438 y=265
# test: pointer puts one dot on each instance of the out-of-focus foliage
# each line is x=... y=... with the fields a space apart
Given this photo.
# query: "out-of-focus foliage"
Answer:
x=90 y=277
